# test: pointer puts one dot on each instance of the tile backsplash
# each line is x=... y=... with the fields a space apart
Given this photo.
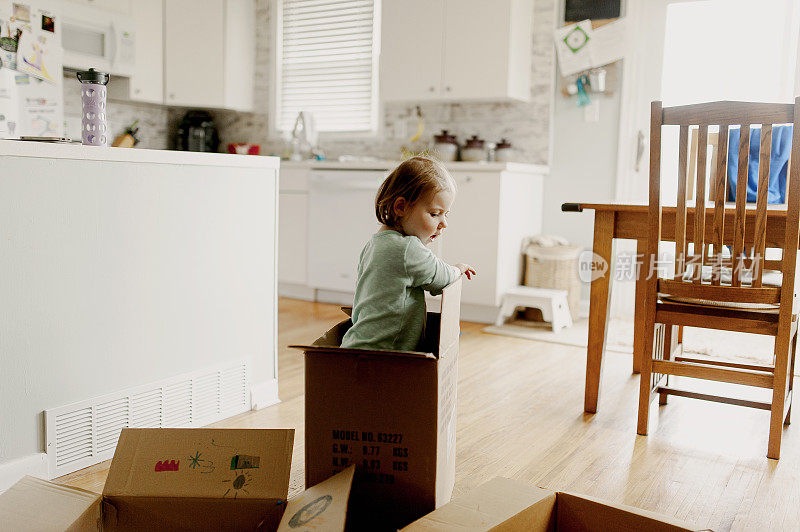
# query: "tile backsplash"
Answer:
x=527 y=125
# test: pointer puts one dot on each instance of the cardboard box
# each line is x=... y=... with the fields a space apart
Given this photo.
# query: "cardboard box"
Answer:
x=392 y=414
x=38 y=505
x=322 y=507
x=199 y=478
x=172 y=479
x=509 y=505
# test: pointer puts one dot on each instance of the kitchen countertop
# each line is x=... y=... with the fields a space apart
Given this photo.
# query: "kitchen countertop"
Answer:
x=19 y=148
x=456 y=166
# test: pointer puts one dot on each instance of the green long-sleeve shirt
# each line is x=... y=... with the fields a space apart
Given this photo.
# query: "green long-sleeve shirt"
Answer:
x=389 y=307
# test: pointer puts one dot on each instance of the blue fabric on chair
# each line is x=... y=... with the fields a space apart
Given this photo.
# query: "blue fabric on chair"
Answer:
x=778 y=165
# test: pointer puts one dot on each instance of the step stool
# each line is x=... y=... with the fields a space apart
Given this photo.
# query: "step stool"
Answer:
x=552 y=303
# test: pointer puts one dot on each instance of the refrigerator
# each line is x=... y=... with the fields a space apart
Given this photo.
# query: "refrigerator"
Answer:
x=31 y=69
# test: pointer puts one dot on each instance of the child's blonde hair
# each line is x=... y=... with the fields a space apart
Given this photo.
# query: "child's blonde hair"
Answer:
x=413 y=179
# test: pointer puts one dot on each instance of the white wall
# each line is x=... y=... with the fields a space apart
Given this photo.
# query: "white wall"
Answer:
x=117 y=274
x=583 y=168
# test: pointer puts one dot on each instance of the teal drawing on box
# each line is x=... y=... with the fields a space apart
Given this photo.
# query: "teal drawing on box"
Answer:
x=243 y=461
x=194 y=461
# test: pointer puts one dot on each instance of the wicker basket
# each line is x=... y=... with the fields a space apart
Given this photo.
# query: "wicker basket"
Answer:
x=554 y=267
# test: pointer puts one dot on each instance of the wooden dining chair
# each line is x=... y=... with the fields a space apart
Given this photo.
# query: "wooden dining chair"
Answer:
x=708 y=288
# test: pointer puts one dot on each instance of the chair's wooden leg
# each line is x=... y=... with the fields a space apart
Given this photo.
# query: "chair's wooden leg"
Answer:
x=638 y=310
x=783 y=343
x=645 y=390
x=670 y=337
x=788 y=419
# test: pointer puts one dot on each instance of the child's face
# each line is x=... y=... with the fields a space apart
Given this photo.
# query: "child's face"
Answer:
x=427 y=217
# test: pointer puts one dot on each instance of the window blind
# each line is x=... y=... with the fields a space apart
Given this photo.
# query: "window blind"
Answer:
x=327 y=64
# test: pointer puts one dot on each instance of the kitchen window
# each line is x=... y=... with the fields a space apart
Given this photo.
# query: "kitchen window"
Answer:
x=326 y=64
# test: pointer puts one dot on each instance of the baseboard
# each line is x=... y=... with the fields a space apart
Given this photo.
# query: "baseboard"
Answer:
x=34 y=465
x=296 y=291
x=264 y=394
x=469 y=311
x=479 y=313
x=335 y=297
x=583 y=309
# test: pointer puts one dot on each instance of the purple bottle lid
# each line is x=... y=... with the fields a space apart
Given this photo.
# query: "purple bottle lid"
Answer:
x=93 y=76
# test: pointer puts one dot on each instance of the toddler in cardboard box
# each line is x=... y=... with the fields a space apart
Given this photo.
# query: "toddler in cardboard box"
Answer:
x=396 y=266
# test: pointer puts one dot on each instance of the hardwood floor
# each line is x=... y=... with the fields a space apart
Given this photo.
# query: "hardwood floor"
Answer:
x=520 y=415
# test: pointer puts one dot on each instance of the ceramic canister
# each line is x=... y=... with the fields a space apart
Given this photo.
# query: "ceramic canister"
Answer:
x=94 y=128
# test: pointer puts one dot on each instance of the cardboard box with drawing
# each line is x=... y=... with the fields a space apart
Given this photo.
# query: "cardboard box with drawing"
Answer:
x=198 y=479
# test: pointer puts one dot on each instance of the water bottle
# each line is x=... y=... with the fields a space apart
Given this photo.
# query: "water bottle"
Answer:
x=94 y=129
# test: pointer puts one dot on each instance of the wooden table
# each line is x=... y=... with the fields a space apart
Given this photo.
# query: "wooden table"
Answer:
x=627 y=221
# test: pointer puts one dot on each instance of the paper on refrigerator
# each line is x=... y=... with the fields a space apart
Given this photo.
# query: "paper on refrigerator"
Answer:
x=39 y=52
x=9 y=108
x=40 y=113
x=579 y=47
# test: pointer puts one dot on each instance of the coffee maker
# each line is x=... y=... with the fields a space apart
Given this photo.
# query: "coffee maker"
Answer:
x=197 y=132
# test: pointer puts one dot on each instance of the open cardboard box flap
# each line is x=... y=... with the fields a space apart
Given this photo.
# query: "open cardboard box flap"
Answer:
x=321 y=507
x=36 y=504
x=509 y=505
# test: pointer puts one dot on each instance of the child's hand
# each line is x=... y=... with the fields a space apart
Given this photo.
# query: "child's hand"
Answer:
x=466 y=269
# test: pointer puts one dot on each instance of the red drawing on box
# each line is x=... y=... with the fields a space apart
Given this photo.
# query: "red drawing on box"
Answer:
x=167 y=465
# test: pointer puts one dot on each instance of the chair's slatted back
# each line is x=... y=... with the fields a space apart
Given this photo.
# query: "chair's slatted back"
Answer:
x=741 y=198
x=760 y=245
x=720 y=190
x=698 y=254
x=680 y=212
x=748 y=243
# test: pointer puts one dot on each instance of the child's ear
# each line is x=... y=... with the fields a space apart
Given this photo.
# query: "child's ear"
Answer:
x=400 y=206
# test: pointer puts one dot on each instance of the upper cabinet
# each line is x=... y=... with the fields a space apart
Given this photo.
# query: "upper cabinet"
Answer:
x=240 y=54
x=456 y=50
x=146 y=83
x=122 y=7
x=194 y=39
x=193 y=53
x=209 y=53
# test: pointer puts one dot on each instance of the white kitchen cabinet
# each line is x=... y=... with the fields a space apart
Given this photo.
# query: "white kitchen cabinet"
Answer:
x=471 y=235
x=194 y=39
x=327 y=215
x=492 y=213
x=411 y=63
x=293 y=236
x=293 y=226
x=209 y=53
x=147 y=82
x=240 y=54
x=459 y=50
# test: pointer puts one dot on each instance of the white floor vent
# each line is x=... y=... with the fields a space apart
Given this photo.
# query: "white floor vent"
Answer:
x=86 y=433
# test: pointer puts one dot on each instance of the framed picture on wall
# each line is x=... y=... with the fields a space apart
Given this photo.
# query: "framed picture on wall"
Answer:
x=577 y=10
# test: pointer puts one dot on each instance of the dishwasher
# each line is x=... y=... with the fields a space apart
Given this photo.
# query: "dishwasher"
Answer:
x=341 y=219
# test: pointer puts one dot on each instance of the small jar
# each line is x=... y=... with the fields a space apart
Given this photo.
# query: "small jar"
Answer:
x=503 y=151
x=445 y=146
x=473 y=150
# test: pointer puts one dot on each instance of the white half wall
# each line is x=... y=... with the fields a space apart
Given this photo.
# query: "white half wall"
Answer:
x=264 y=394
x=121 y=270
